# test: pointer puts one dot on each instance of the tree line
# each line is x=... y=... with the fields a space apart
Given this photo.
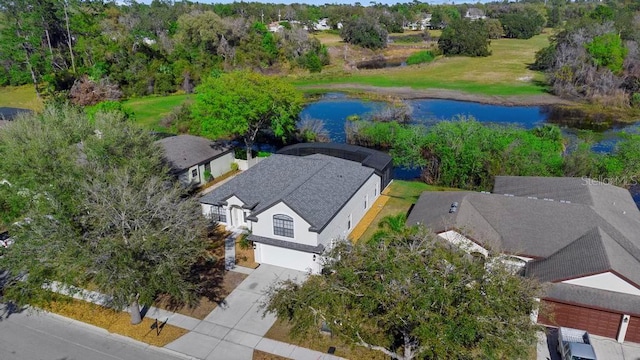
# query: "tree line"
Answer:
x=79 y=48
x=596 y=56
x=464 y=153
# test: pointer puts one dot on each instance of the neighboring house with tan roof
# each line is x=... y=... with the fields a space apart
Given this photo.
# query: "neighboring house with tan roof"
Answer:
x=297 y=207
x=194 y=160
x=579 y=235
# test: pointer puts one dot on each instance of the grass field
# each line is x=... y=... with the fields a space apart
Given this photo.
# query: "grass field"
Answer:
x=20 y=97
x=402 y=194
x=149 y=111
x=505 y=72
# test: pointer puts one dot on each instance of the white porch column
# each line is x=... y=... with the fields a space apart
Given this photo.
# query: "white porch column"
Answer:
x=624 y=324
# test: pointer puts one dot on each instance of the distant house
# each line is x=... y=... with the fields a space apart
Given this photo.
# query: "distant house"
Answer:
x=275 y=27
x=193 y=159
x=474 y=14
x=579 y=235
x=9 y=113
x=322 y=25
x=298 y=205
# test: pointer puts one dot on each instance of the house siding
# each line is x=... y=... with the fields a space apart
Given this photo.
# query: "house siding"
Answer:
x=221 y=165
x=301 y=234
x=337 y=227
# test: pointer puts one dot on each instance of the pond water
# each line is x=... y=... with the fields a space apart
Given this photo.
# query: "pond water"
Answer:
x=334 y=108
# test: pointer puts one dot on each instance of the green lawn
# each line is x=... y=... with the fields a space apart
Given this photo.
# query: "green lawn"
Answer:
x=402 y=194
x=20 y=97
x=149 y=111
x=503 y=73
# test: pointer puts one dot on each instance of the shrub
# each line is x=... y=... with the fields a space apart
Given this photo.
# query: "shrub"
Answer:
x=608 y=51
x=365 y=32
x=465 y=37
x=108 y=107
x=420 y=57
x=234 y=166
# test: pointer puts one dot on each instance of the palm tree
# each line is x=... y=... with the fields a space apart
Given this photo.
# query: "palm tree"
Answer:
x=392 y=226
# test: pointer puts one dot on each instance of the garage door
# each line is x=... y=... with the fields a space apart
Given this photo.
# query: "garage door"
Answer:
x=598 y=322
x=633 y=331
x=287 y=258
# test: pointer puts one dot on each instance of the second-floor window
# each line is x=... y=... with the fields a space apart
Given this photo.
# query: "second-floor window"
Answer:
x=218 y=213
x=283 y=225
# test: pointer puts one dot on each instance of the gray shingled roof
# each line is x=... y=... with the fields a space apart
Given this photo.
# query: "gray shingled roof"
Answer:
x=594 y=233
x=624 y=303
x=185 y=151
x=316 y=187
x=570 y=189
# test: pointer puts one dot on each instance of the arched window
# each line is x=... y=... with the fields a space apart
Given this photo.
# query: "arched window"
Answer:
x=283 y=225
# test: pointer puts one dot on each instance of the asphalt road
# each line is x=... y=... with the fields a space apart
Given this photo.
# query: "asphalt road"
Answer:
x=25 y=336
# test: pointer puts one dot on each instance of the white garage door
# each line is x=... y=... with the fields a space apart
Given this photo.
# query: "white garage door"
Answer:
x=287 y=258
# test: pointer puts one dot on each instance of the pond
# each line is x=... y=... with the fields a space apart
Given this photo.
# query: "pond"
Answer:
x=334 y=108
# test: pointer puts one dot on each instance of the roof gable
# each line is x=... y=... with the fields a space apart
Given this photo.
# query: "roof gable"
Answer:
x=185 y=151
x=316 y=187
x=594 y=230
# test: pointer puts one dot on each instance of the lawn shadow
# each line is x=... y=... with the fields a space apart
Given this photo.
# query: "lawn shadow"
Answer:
x=206 y=275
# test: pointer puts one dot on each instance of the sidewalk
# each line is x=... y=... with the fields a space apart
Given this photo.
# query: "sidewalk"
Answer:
x=238 y=328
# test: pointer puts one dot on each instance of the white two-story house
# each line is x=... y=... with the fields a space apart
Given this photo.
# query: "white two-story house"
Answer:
x=296 y=207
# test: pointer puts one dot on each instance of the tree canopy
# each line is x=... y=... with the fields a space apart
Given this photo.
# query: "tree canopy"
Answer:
x=243 y=104
x=91 y=202
x=411 y=296
x=465 y=37
x=365 y=32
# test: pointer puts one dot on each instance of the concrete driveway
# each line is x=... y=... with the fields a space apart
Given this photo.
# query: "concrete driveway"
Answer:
x=605 y=348
x=234 y=329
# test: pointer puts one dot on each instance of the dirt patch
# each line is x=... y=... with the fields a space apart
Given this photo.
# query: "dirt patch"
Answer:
x=205 y=305
x=322 y=342
x=213 y=282
x=245 y=257
x=408 y=93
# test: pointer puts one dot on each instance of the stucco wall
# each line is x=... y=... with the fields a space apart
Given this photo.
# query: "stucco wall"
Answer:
x=264 y=226
x=337 y=228
x=606 y=281
x=221 y=165
x=466 y=244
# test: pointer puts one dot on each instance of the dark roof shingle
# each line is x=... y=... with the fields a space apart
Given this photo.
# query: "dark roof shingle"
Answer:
x=596 y=231
x=185 y=151
x=316 y=187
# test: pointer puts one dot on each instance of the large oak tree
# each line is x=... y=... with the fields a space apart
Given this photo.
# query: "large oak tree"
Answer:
x=411 y=296
x=90 y=203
